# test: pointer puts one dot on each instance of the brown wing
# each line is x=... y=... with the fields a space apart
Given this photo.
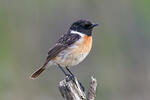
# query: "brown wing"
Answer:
x=65 y=41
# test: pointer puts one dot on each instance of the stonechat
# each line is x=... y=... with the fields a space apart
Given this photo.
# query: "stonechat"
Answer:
x=71 y=48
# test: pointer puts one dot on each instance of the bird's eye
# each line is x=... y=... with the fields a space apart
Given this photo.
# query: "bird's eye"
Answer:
x=87 y=25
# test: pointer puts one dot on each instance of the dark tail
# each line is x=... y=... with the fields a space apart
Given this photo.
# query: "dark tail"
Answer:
x=38 y=72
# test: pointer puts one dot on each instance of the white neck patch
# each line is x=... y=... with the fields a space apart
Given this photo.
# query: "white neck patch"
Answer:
x=76 y=32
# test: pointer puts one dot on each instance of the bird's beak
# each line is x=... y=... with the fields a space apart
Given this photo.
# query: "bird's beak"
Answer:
x=94 y=25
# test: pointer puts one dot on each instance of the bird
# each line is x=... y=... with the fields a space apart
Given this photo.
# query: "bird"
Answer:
x=70 y=49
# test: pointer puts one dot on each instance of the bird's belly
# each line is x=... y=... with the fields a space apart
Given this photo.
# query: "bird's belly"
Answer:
x=70 y=58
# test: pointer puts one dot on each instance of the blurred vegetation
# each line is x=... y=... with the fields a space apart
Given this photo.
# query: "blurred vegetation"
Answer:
x=119 y=58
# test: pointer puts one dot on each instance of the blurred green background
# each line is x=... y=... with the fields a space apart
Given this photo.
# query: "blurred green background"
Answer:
x=120 y=57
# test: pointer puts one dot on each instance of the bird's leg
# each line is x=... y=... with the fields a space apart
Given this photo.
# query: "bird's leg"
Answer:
x=69 y=77
x=63 y=70
x=70 y=72
x=72 y=78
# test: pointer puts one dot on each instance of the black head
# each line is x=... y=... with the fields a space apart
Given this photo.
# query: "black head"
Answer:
x=83 y=26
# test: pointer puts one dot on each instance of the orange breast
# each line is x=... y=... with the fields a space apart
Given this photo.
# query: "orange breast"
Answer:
x=86 y=45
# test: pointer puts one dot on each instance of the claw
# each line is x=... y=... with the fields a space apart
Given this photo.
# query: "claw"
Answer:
x=70 y=77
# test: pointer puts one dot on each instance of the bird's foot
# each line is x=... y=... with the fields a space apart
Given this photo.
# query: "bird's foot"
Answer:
x=70 y=77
